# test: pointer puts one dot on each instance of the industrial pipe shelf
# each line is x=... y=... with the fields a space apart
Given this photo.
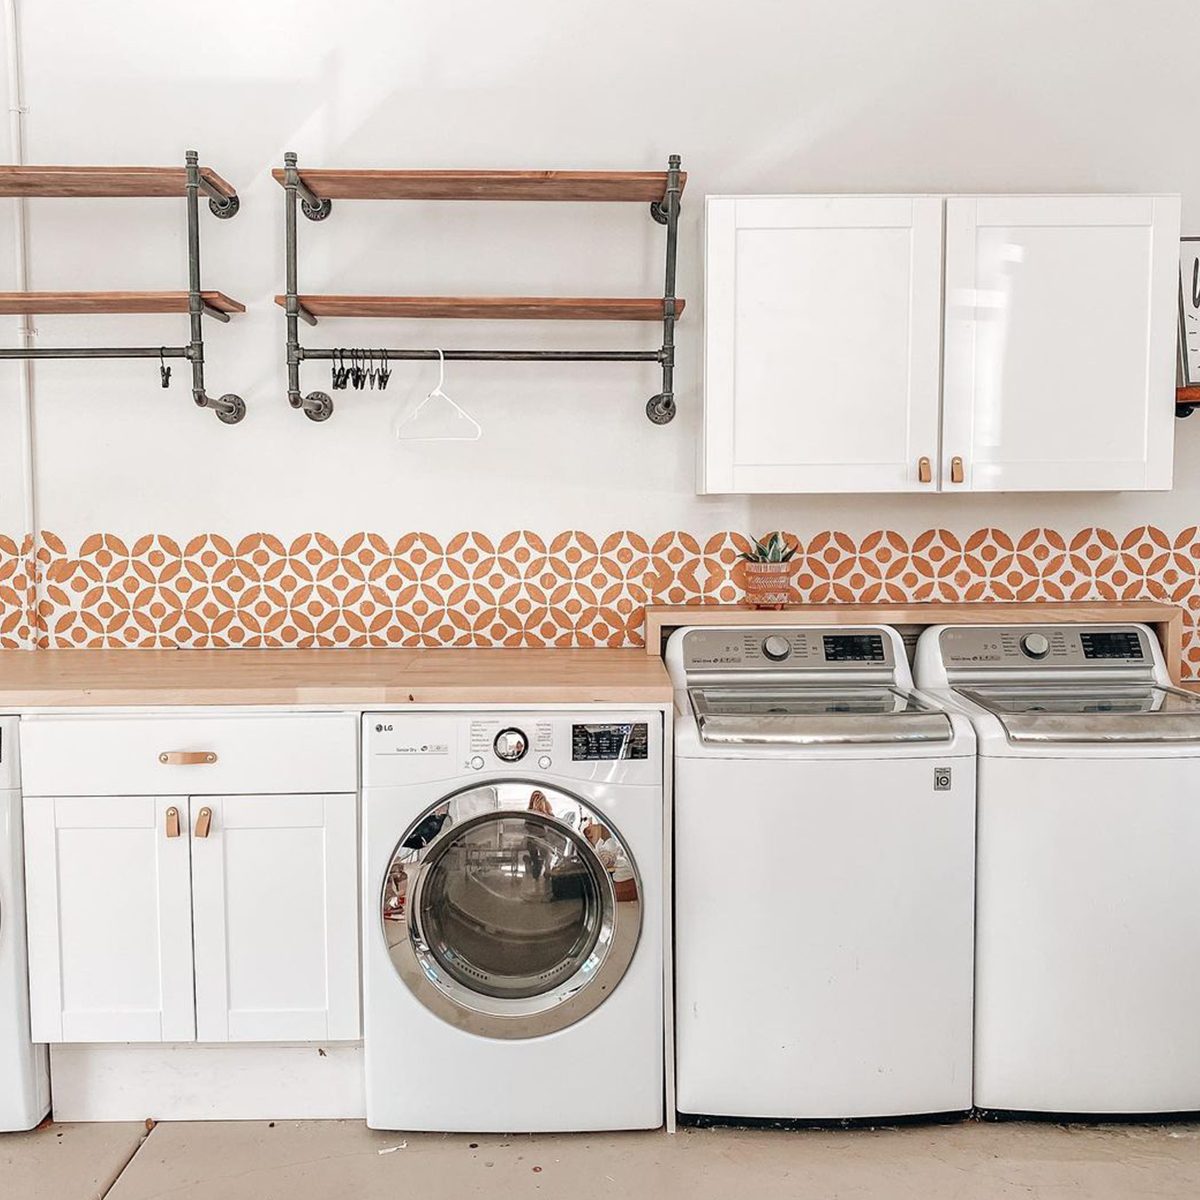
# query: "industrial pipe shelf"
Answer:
x=486 y=308
x=313 y=190
x=602 y=186
x=85 y=303
x=188 y=182
x=84 y=182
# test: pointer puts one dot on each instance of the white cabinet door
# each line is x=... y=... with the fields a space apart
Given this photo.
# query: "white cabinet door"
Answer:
x=1061 y=319
x=110 y=919
x=276 y=918
x=822 y=343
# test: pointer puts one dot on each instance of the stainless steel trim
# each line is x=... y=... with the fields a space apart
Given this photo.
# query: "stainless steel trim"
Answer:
x=910 y=719
x=1095 y=726
x=565 y=1001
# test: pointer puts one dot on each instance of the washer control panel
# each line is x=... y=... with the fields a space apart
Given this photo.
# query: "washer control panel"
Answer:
x=1015 y=647
x=785 y=648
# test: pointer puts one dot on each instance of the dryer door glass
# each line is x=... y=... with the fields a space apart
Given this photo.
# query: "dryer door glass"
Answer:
x=513 y=905
x=511 y=909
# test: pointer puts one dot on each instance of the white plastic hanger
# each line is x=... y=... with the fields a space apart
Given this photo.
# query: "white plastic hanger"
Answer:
x=441 y=421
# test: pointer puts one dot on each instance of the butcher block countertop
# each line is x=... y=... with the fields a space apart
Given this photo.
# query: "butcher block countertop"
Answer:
x=144 y=678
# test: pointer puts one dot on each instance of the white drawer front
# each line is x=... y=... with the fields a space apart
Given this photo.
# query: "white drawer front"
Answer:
x=178 y=755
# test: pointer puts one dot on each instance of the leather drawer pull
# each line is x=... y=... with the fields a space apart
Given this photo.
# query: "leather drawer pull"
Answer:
x=172 y=822
x=204 y=823
x=186 y=758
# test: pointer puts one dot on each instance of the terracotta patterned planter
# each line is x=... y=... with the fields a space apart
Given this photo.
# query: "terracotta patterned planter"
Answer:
x=768 y=585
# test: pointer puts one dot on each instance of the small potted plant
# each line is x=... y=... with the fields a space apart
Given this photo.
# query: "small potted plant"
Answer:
x=767 y=571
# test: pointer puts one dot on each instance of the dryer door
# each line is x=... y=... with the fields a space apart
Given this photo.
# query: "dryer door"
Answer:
x=511 y=909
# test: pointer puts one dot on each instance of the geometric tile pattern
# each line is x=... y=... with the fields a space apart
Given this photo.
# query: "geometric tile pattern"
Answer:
x=525 y=589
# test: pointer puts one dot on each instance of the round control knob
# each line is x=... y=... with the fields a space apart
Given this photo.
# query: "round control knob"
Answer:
x=510 y=745
x=776 y=647
x=1035 y=645
x=544 y=762
x=477 y=762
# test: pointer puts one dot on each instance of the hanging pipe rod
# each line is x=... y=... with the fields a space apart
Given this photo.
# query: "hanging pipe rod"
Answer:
x=501 y=355
x=100 y=352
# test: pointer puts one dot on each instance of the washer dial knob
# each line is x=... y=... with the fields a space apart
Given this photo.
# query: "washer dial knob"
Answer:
x=776 y=647
x=1035 y=645
x=510 y=745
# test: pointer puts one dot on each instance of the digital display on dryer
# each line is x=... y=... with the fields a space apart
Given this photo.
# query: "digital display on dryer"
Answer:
x=601 y=743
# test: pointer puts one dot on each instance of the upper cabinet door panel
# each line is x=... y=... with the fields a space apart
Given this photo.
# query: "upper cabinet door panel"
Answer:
x=822 y=343
x=1060 y=342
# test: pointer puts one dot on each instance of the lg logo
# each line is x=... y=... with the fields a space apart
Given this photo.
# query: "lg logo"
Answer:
x=384 y=728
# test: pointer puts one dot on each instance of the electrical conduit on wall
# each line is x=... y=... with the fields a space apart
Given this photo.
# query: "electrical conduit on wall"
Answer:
x=24 y=576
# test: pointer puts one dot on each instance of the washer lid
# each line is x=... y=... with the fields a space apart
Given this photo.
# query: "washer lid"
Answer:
x=816 y=716
x=1090 y=713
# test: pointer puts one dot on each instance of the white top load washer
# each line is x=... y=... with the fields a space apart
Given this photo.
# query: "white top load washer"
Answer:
x=512 y=920
x=24 y=1077
x=1088 y=922
x=824 y=878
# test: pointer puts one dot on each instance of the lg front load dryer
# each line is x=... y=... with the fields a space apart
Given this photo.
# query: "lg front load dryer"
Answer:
x=24 y=1078
x=1087 y=990
x=512 y=920
x=824 y=878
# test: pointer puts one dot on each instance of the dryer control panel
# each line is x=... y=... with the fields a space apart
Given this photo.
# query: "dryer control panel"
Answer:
x=406 y=747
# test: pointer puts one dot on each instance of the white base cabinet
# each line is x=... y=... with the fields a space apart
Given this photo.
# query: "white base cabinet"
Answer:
x=931 y=343
x=109 y=905
x=275 y=919
x=189 y=916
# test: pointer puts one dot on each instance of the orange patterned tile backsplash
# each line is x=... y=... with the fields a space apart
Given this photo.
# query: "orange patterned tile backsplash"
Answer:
x=522 y=589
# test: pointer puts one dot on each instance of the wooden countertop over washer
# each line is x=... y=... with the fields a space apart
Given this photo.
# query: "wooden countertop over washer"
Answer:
x=352 y=678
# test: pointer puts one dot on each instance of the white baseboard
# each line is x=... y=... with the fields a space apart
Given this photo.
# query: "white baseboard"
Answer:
x=124 y=1082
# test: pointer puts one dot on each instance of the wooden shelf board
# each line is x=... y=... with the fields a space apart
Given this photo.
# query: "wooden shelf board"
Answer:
x=28 y=303
x=103 y=181
x=494 y=308
x=1187 y=395
x=336 y=184
x=1166 y=619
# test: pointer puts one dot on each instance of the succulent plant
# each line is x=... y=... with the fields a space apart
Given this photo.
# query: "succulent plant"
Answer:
x=773 y=549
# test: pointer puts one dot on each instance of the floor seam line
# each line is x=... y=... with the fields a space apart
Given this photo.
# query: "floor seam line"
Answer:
x=145 y=1137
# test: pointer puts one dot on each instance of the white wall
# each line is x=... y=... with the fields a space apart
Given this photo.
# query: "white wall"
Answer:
x=759 y=95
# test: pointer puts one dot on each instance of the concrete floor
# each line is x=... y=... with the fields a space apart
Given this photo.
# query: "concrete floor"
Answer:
x=323 y=1160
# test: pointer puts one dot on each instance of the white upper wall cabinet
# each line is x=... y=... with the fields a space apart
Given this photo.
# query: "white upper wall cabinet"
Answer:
x=1061 y=320
x=823 y=343
x=830 y=365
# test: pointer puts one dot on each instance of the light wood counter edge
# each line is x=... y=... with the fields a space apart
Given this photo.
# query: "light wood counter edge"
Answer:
x=1165 y=619
x=49 y=679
